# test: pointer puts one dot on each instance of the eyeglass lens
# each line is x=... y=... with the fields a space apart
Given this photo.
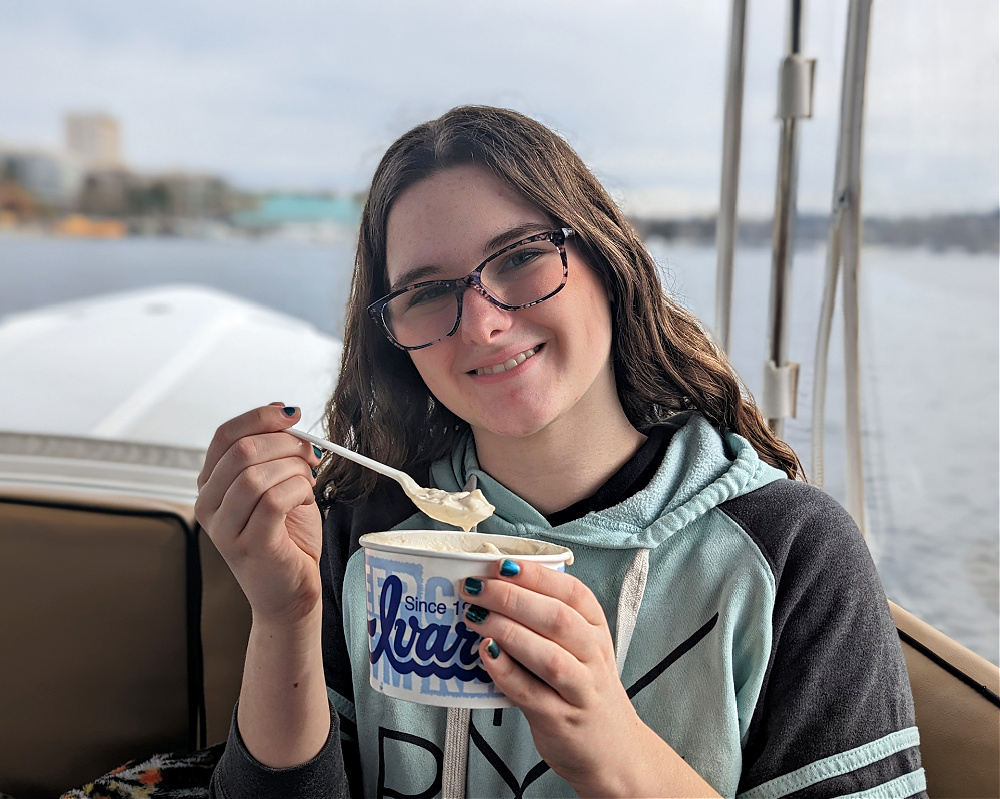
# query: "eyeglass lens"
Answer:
x=518 y=277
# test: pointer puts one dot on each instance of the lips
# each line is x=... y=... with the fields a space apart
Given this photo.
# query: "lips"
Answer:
x=510 y=363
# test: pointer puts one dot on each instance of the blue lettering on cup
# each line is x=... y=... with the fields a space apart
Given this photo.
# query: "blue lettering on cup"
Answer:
x=425 y=650
x=416 y=631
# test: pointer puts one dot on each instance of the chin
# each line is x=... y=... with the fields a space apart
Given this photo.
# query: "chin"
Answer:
x=509 y=431
x=524 y=426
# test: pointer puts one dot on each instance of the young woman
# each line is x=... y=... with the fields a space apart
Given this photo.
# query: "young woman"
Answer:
x=722 y=629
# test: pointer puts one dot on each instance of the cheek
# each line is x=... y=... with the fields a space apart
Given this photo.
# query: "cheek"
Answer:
x=431 y=365
x=596 y=320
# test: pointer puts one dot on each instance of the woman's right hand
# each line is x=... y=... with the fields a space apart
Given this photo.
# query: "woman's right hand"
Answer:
x=255 y=500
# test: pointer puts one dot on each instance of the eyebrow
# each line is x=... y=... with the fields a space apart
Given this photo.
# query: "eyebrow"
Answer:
x=415 y=275
x=513 y=234
x=498 y=242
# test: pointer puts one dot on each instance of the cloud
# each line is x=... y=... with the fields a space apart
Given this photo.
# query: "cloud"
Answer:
x=310 y=93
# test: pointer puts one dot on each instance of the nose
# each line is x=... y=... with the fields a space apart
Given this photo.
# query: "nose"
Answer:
x=482 y=321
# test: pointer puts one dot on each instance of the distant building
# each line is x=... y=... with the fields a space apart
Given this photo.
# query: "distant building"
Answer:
x=52 y=178
x=287 y=208
x=16 y=204
x=109 y=192
x=82 y=227
x=94 y=139
x=195 y=196
x=175 y=195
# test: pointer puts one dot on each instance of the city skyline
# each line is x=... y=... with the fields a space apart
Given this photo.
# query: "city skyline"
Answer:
x=308 y=98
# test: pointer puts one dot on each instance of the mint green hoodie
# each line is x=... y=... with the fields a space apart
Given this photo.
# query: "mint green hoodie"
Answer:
x=700 y=594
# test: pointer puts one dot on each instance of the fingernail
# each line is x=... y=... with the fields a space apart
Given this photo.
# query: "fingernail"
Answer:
x=473 y=585
x=289 y=411
x=476 y=614
x=317 y=451
x=314 y=472
x=492 y=648
x=509 y=569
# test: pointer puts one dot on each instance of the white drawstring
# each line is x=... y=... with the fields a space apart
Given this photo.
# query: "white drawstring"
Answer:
x=456 y=736
x=629 y=601
x=456 y=753
x=456 y=731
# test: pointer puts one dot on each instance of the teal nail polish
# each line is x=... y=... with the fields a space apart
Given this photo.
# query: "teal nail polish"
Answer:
x=473 y=585
x=476 y=614
x=314 y=472
x=493 y=649
x=289 y=411
x=317 y=451
x=509 y=569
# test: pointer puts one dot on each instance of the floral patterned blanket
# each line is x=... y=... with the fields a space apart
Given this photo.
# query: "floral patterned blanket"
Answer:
x=167 y=776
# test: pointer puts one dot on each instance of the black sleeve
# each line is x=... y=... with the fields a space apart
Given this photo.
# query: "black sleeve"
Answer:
x=835 y=713
x=239 y=776
x=343 y=525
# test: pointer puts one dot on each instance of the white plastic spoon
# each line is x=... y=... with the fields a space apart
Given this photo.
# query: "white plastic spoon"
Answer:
x=463 y=509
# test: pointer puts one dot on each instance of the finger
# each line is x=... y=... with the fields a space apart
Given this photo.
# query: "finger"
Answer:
x=246 y=492
x=547 y=616
x=267 y=419
x=251 y=451
x=264 y=532
x=518 y=684
x=546 y=660
x=553 y=583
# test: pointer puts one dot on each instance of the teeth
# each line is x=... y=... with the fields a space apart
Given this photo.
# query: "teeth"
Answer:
x=517 y=360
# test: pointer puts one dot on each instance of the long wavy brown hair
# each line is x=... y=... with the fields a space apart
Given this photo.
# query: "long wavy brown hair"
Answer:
x=664 y=362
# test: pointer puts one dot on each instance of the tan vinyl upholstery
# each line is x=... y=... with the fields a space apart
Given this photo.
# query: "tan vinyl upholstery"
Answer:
x=225 y=628
x=959 y=726
x=94 y=637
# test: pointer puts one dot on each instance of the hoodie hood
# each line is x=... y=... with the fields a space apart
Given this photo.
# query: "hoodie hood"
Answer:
x=701 y=469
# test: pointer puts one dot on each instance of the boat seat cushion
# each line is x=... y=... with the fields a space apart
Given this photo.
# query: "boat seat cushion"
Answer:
x=955 y=700
x=95 y=635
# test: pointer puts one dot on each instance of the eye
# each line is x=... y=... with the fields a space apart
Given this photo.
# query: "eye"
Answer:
x=426 y=295
x=518 y=259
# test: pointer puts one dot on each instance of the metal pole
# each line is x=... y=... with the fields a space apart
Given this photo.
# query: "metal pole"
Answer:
x=856 y=59
x=794 y=102
x=725 y=231
x=844 y=244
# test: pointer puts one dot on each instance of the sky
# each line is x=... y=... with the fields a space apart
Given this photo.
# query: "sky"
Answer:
x=307 y=94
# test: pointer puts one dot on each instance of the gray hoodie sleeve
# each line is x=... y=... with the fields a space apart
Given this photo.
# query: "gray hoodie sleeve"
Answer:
x=836 y=681
x=239 y=775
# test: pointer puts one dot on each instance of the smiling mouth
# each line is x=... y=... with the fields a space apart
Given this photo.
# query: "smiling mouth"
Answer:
x=517 y=360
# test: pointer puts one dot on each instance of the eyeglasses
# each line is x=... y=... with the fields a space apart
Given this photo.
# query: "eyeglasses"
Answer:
x=518 y=276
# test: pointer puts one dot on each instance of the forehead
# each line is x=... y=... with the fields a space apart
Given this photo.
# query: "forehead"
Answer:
x=447 y=219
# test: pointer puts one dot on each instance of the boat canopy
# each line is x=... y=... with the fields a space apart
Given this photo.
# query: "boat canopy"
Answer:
x=162 y=366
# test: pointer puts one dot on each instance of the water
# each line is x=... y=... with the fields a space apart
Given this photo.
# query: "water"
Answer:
x=930 y=394
x=305 y=280
x=930 y=362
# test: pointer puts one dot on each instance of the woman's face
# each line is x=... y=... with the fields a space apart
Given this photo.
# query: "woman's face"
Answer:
x=442 y=226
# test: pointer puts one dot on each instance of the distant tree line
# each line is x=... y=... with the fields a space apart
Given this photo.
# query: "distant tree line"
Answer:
x=971 y=232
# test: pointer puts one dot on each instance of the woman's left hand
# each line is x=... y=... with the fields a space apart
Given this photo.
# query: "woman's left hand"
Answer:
x=554 y=659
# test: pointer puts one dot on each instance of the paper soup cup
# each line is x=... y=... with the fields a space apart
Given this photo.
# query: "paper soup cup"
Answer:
x=420 y=648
